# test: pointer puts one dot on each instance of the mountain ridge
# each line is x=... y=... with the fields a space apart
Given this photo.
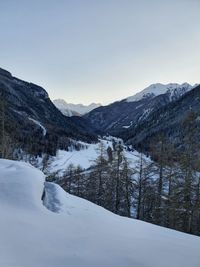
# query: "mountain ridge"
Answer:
x=116 y=116
x=167 y=120
x=159 y=89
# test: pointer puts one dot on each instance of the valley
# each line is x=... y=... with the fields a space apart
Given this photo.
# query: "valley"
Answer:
x=135 y=158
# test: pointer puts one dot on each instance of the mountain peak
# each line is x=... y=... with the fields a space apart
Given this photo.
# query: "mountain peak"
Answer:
x=70 y=109
x=159 y=89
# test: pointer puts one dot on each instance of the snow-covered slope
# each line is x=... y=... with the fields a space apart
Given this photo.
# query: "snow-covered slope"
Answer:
x=174 y=90
x=70 y=109
x=80 y=234
x=84 y=157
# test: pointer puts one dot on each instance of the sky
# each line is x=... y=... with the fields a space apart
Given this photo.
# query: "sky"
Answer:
x=100 y=50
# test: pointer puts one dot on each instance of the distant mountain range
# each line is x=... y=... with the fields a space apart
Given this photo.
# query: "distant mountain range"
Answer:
x=69 y=109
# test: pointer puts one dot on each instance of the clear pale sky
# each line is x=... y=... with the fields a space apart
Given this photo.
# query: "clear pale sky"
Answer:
x=100 y=50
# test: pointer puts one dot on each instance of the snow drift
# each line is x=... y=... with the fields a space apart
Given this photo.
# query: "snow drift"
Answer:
x=64 y=230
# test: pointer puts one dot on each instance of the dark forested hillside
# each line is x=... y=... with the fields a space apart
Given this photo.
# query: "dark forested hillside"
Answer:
x=168 y=121
x=129 y=112
x=27 y=111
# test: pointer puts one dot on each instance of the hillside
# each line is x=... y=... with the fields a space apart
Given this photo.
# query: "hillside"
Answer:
x=28 y=109
x=133 y=110
x=64 y=230
x=168 y=121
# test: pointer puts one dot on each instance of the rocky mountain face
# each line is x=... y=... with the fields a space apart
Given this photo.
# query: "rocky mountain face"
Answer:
x=69 y=109
x=122 y=115
x=30 y=111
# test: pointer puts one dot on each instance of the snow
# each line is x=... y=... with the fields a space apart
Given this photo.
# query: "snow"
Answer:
x=128 y=126
x=83 y=158
x=158 y=89
x=40 y=125
x=77 y=233
x=70 y=109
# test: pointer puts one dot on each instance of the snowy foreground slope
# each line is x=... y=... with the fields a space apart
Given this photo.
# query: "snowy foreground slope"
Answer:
x=78 y=233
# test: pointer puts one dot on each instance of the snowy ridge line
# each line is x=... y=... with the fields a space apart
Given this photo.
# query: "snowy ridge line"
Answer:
x=153 y=90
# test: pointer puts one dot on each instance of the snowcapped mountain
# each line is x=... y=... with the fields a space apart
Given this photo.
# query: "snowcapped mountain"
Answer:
x=174 y=90
x=41 y=225
x=131 y=111
x=167 y=120
x=69 y=109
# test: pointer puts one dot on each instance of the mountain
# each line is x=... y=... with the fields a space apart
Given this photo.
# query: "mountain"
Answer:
x=123 y=114
x=63 y=230
x=174 y=91
x=69 y=109
x=30 y=115
x=167 y=120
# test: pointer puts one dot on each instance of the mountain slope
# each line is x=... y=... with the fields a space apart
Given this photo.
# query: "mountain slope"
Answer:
x=30 y=110
x=74 y=232
x=69 y=109
x=167 y=120
x=131 y=111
